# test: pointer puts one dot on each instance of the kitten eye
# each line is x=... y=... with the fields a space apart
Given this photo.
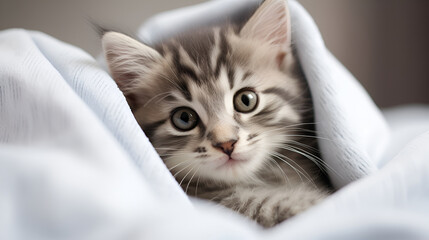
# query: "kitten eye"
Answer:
x=245 y=100
x=184 y=118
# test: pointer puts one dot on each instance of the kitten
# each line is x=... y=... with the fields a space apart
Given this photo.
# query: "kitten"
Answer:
x=229 y=112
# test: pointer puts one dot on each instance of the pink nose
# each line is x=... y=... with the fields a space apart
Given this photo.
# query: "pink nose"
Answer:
x=226 y=147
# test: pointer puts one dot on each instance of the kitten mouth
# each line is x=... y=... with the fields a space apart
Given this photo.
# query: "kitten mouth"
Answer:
x=232 y=160
x=229 y=162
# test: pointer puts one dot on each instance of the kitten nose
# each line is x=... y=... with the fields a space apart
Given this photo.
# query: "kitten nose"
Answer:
x=226 y=147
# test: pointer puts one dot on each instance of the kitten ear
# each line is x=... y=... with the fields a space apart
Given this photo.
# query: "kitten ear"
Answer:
x=271 y=24
x=128 y=59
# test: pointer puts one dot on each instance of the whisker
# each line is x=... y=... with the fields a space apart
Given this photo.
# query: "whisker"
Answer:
x=306 y=154
x=180 y=184
x=190 y=180
x=173 y=154
x=318 y=161
x=196 y=186
x=290 y=159
x=180 y=163
x=304 y=173
x=301 y=130
x=294 y=127
x=182 y=169
x=167 y=148
x=290 y=165
x=283 y=173
x=303 y=145
x=309 y=136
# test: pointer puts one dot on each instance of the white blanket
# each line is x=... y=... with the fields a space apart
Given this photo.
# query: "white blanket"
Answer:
x=75 y=165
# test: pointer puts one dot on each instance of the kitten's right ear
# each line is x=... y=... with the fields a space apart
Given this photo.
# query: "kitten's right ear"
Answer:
x=271 y=24
x=128 y=59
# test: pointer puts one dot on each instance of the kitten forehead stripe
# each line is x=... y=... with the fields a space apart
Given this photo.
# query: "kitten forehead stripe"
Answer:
x=196 y=48
x=224 y=49
x=184 y=89
x=246 y=75
x=183 y=69
x=215 y=51
x=190 y=73
x=231 y=76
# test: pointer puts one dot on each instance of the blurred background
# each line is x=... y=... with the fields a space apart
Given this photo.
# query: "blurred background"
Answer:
x=384 y=43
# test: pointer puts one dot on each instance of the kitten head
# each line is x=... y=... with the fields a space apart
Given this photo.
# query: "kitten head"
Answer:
x=218 y=103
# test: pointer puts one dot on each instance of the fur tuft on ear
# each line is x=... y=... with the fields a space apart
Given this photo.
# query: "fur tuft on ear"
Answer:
x=128 y=60
x=271 y=24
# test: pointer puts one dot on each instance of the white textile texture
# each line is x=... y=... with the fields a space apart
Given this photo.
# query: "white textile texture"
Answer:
x=74 y=164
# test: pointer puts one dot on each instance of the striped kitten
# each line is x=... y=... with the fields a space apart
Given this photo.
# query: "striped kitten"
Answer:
x=229 y=112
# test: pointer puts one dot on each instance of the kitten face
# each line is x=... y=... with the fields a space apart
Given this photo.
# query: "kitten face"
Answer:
x=216 y=104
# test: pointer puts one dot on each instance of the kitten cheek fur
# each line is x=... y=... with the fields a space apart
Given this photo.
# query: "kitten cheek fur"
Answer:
x=203 y=70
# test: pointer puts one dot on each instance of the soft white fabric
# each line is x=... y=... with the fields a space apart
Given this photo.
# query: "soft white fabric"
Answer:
x=406 y=123
x=75 y=165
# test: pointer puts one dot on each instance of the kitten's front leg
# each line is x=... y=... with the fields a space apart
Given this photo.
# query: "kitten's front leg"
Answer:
x=270 y=205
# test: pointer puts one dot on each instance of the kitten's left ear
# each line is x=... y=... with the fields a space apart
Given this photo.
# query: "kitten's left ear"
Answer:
x=128 y=59
x=271 y=24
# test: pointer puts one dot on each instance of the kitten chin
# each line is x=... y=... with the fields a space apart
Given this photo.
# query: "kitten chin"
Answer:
x=229 y=111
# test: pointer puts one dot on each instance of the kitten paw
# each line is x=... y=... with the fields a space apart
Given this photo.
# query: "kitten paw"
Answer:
x=271 y=208
x=277 y=212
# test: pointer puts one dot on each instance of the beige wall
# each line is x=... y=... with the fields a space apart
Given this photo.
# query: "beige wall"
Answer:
x=385 y=43
x=68 y=19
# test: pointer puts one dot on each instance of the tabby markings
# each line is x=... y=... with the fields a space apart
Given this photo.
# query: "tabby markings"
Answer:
x=279 y=92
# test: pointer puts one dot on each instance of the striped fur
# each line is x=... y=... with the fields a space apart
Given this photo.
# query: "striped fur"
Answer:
x=274 y=171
